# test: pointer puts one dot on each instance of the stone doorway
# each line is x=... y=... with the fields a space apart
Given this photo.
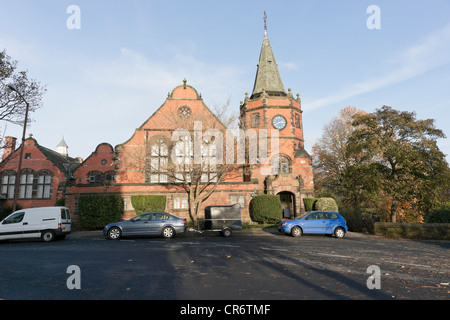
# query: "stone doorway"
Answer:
x=287 y=200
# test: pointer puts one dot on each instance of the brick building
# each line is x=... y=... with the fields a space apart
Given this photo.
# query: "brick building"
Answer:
x=143 y=163
x=44 y=176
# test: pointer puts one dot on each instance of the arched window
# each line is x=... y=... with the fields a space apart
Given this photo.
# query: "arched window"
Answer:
x=188 y=171
x=44 y=184
x=110 y=176
x=183 y=152
x=95 y=177
x=255 y=120
x=32 y=185
x=26 y=184
x=281 y=165
x=208 y=168
x=8 y=181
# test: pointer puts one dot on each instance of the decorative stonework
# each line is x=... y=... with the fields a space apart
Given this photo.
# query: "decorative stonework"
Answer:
x=184 y=112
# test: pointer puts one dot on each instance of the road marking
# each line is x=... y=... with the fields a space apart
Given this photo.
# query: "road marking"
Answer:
x=227 y=245
x=409 y=264
x=333 y=255
x=274 y=249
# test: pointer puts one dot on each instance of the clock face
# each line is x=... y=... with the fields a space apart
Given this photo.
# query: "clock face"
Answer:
x=279 y=122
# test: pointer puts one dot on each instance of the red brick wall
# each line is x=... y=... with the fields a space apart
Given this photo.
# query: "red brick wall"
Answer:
x=34 y=160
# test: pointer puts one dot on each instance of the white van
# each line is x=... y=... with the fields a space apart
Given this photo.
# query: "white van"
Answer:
x=48 y=223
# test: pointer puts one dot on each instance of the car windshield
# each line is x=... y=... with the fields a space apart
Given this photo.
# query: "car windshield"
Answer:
x=303 y=215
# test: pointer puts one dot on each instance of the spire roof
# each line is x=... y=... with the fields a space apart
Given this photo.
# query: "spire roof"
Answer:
x=62 y=144
x=267 y=76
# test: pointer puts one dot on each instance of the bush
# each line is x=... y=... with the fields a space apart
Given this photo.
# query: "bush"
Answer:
x=358 y=222
x=325 y=204
x=309 y=203
x=440 y=215
x=96 y=211
x=6 y=211
x=148 y=203
x=60 y=202
x=266 y=208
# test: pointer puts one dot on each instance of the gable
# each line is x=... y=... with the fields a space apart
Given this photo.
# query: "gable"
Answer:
x=182 y=108
x=101 y=160
x=37 y=157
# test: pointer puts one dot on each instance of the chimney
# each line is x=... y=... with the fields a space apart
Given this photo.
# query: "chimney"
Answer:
x=10 y=146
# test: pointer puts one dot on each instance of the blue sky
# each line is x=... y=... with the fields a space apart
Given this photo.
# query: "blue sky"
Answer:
x=106 y=78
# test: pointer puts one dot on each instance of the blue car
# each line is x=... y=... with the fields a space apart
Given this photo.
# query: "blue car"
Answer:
x=315 y=222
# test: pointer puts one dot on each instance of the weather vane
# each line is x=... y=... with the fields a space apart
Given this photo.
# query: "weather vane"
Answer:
x=265 y=20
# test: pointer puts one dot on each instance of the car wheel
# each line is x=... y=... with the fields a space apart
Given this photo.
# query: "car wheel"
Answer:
x=168 y=232
x=114 y=233
x=339 y=233
x=296 y=231
x=48 y=236
x=226 y=232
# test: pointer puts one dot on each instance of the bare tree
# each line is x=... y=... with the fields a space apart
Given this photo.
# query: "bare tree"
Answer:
x=12 y=106
x=196 y=155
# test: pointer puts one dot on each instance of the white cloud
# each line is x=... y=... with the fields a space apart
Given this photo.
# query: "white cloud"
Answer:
x=288 y=65
x=432 y=52
x=136 y=71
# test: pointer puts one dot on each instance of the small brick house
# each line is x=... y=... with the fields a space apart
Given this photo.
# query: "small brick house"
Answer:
x=44 y=176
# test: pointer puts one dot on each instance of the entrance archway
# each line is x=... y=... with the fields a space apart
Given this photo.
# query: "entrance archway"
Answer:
x=287 y=200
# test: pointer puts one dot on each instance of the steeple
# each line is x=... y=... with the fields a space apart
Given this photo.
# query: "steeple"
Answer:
x=62 y=147
x=268 y=77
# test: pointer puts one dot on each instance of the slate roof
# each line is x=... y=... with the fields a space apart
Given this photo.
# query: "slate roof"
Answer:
x=63 y=163
x=267 y=76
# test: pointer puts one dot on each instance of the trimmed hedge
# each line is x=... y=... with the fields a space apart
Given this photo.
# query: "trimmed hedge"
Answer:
x=428 y=231
x=309 y=203
x=96 y=211
x=148 y=203
x=266 y=208
x=326 y=204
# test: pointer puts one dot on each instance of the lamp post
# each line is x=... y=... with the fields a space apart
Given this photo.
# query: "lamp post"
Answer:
x=19 y=169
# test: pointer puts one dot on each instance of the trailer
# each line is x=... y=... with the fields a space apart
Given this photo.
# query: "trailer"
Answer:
x=223 y=219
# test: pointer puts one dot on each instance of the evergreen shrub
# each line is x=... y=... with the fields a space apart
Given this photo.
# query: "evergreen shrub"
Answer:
x=148 y=203
x=440 y=215
x=96 y=211
x=325 y=204
x=309 y=203
x=266 y=208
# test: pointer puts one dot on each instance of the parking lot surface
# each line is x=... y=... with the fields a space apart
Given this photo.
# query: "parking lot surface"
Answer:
x=257 y=264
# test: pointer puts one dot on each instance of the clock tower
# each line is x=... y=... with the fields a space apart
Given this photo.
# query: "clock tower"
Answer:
x=271 y=108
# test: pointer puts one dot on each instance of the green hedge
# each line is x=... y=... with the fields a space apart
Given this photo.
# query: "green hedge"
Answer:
x=326 y=204
x=96 y=211
x=266 y=209
x=309 y=203
x=440 y=215
x=426 y=231
x=60 y=202
x=148 y=203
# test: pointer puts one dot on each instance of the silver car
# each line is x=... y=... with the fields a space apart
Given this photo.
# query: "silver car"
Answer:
x=148 y=223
